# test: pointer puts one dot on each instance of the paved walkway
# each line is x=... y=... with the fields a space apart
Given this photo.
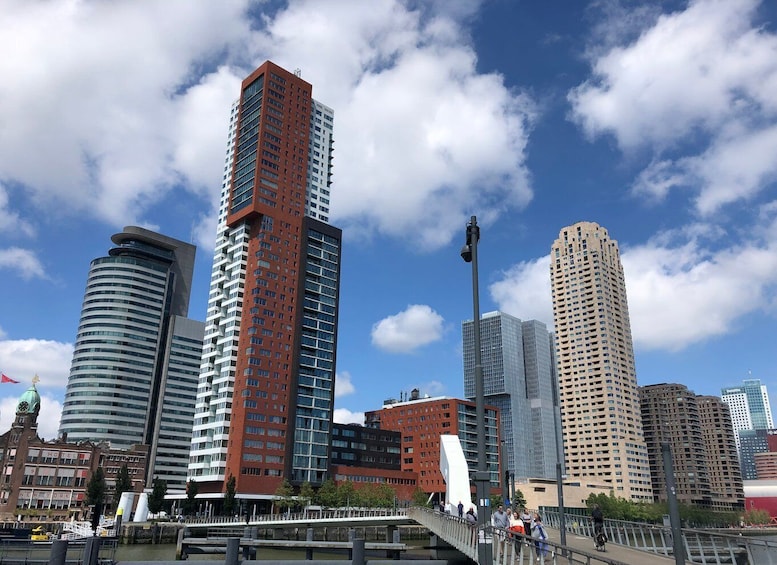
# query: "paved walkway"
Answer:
x=615 y=552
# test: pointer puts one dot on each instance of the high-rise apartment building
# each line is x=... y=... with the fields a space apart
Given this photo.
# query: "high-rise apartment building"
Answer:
x=600 y=412
x=266 y=388
x=135 y=365
x=750 y=408
x=701 y=439
x=723 y=468
x=670 y=415
x=519 y=378
x=421 y=421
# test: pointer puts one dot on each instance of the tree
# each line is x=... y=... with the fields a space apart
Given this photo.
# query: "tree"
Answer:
x=346 y=494
x=284 y=495
x=123 y=484
x=95 y=488
x=306 y=494
x=419 y=497
x=228 y=508
x=519 y=500
x=156 y=500
x=190 y=504
x=95 y=495
x=327 y=494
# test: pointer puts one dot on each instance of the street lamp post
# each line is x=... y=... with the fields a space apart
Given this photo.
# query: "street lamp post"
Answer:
x=482 y=477
x=505 y=474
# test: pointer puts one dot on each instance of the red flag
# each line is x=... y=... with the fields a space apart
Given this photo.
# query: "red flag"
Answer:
x=6 y=379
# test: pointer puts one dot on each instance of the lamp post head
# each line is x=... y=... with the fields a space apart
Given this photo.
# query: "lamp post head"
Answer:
x=473 y=236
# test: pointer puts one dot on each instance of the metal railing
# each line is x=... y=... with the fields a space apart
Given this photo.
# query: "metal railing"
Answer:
x=508 y=548
x=710 y=548
x=334 y=514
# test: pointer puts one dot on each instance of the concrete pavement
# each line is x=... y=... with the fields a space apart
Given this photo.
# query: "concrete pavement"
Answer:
x=615 y=552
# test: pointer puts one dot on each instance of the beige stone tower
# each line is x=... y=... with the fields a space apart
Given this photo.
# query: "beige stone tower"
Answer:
x=600 y=411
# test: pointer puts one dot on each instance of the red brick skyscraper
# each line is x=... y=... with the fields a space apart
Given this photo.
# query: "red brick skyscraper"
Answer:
x=266 y=388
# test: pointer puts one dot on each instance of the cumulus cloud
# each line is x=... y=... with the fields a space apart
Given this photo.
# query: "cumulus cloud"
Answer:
x=98 y=118
x=343 y=384
x=10 y=221
x=414 y=327
x=696 y=88
x=345 y=416
x=24 y=358
x=684 y=286
x=114 y=107
x=523 y=291
x=22 y=262
x=682 y=291
x=48 y=420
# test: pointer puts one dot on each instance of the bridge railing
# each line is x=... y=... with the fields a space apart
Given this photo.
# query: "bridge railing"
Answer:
x=335 y=513
x=701 y=546
x=508 y=548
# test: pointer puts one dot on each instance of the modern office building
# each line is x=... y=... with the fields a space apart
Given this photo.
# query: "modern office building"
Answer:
x=136 y=358
x=753 y=443
x=421 y=421
x=519 y=378
x=266 y=388
x=723 y=469
x=600 y=411
x=750 y=408
x=370 y=456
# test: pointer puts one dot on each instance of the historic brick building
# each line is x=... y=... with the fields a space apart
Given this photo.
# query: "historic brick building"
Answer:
x=46 y=480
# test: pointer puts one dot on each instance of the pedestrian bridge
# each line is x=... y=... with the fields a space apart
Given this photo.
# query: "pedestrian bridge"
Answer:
x=630 y=543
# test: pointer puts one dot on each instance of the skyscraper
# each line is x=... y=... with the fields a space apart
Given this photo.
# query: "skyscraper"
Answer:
x=600 y=411
x=519 y=378
x=135 y=363
x=266 y=388
x=750 y=408
x=723 y=467
x=699 y=432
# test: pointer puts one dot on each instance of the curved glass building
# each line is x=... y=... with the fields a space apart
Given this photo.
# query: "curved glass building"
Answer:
x=135 y=366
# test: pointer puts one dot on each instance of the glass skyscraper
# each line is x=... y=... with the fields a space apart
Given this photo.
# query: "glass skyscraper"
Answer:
x=519 y=378
x=135 y=362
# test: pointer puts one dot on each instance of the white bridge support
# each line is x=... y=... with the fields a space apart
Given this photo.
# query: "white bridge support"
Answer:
x=453 y=466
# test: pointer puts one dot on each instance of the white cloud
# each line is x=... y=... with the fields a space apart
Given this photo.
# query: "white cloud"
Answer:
x=683 y=287
x=432 y=388
x=48 y=419
x=524 y=291
x=23 y=262
x=405 y=90
x=114 y=106
x=10 y=221
x=343 y=384
x=97 y=118
x=414 y=327
x=681 y=292
x=24 y=358
x=345 y=416
x=697 y=88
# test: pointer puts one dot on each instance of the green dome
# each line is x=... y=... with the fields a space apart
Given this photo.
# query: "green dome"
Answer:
x=29 y=403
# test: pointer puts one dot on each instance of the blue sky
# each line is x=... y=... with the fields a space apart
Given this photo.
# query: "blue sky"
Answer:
x=658 y=120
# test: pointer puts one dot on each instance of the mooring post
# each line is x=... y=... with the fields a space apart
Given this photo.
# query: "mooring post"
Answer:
x=358 y=551
x=180 y=552
x=91 y=550
x=58 y=552
x=233 y=549
x=309 y=550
